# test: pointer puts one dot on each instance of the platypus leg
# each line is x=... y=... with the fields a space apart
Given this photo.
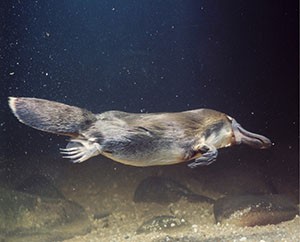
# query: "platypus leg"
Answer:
x=80 y=150
x=209 y=155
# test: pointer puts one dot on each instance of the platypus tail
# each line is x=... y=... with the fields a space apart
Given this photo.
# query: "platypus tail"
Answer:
x=51 y=116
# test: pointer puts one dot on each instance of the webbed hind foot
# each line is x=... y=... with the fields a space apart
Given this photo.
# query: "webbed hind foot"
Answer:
x=80 y=150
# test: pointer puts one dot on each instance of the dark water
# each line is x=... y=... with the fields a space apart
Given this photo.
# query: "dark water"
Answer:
x=238 y=57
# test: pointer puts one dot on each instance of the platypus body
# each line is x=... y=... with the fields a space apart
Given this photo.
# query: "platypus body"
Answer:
x=137 y=139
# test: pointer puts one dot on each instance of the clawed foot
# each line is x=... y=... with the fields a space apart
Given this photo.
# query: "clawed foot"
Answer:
x=206 y=159
x=80 y=150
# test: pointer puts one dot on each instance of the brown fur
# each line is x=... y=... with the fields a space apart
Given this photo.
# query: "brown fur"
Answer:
x=136 y=139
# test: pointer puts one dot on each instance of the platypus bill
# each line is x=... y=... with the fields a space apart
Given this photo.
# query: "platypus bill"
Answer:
x=137 y=139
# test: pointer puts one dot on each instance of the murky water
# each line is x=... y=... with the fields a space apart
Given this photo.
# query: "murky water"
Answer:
x=143 y=57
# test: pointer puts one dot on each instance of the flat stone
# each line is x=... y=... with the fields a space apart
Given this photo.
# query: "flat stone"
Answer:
x=26 y=217
x=160 y=223
x=39 y=185
x=252 y=210
x=165 y=190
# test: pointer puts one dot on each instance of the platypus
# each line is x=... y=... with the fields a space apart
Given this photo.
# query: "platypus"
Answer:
x=137 y=139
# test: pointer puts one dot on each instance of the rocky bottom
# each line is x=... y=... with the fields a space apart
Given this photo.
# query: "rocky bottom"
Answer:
x=113 y=202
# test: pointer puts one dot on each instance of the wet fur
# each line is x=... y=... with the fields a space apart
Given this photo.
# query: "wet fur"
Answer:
x=134 y=139
x=51 y=116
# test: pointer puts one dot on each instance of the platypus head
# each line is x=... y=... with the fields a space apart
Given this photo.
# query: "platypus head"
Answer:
x=242 y=136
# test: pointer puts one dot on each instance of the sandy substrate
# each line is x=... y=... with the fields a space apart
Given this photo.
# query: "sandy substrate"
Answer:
x=105 y=189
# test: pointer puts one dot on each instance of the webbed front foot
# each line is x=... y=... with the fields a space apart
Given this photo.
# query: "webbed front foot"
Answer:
x=209 y=155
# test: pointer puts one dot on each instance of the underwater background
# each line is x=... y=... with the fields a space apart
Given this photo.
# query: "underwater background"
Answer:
x=237 y=57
